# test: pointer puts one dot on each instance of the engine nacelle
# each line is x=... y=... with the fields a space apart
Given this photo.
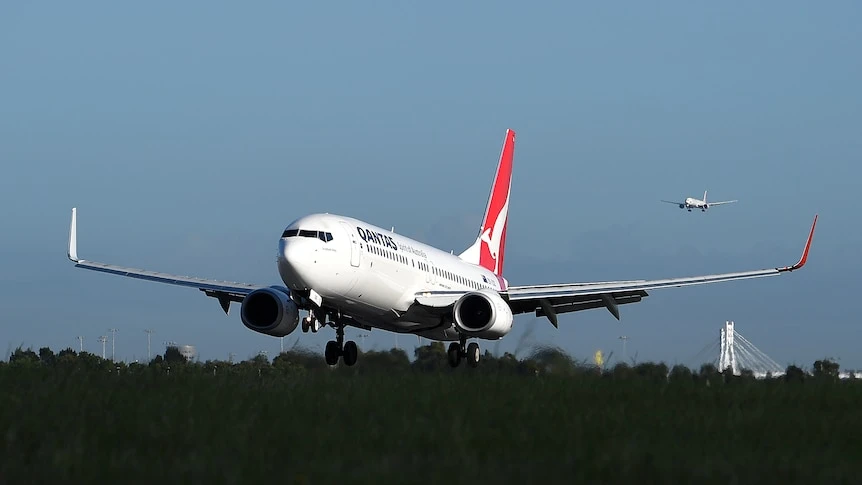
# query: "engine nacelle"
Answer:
x=483 y=314
x=269 y=311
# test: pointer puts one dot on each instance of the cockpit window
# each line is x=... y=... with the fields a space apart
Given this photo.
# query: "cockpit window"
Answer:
x=322 y=235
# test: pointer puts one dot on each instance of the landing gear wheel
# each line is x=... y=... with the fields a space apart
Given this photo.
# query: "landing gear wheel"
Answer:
x=332 y=352
x=454 y=354
x=350 y=353
x=473 y=354
x=305 y=324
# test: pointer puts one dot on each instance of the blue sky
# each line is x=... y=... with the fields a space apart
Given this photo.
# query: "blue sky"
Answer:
x=189 y=134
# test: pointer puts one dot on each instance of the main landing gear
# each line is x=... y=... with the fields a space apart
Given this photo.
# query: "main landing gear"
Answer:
x=338 y=348
x=460 y=350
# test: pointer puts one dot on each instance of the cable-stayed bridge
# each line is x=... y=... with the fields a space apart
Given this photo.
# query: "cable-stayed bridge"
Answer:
x=733 y=351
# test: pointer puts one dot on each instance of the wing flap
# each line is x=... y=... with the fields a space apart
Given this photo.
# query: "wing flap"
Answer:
x=590 y=304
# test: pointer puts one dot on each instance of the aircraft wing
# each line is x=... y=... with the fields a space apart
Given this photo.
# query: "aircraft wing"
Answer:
x=722 y=202
x=549 y=300
x=225 y=291
x=672 y=202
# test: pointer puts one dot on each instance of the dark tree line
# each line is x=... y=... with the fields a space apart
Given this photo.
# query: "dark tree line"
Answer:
x=427 y=359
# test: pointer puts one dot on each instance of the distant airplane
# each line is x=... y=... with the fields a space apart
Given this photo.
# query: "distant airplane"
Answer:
x=692 y=203
x=346 y=272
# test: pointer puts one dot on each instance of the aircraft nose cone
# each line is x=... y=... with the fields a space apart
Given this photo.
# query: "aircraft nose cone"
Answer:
x=293 y=262
x=293 y=253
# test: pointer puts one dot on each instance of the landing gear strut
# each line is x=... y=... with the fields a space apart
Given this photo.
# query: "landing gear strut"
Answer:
x=338 y=348
x=460 y=350
x=311 y=322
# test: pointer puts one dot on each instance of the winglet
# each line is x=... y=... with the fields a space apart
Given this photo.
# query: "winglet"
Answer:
x=804 y=257
x=73 y=237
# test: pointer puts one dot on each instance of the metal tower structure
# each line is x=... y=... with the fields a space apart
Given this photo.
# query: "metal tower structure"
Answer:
x=102 y=340
x=80 y=338
x=113 y=338
x=149 y=332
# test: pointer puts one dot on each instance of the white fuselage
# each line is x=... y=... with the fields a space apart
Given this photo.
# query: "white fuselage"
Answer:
x=372 y=273
x=694 y=203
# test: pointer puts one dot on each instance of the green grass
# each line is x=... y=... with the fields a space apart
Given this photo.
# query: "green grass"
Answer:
x=326 y=426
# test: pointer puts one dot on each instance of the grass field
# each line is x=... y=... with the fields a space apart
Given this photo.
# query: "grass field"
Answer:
x=341 y=426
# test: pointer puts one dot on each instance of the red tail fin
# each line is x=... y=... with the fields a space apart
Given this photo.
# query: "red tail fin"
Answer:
x=489 y=248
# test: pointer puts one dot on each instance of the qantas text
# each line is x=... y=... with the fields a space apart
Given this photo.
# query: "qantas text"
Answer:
x=377 y=238
x=370 y=236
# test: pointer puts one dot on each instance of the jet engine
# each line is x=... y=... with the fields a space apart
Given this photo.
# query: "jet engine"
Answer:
x=483 y=314
x=270 y=311
x=682 y=206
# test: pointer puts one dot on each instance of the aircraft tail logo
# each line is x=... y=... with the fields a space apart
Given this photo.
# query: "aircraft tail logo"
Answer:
x=489 y=248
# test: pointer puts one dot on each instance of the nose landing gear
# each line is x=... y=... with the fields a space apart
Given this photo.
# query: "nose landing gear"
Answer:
x=311 y=322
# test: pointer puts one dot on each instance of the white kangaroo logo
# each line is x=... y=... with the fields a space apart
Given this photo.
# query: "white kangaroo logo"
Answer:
x=496 y=233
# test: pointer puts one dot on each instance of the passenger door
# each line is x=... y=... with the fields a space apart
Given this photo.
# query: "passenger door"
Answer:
x=355 y=250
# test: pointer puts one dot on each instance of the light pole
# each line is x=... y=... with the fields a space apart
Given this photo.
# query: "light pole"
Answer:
x=102 y=339
x=362 y=336
x=81 y=339
x=149 y=333
x=624 y=338
x=113 y=338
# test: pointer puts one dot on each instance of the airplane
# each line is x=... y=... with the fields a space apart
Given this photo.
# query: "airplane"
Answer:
x=692 y=203
x=345 y=272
